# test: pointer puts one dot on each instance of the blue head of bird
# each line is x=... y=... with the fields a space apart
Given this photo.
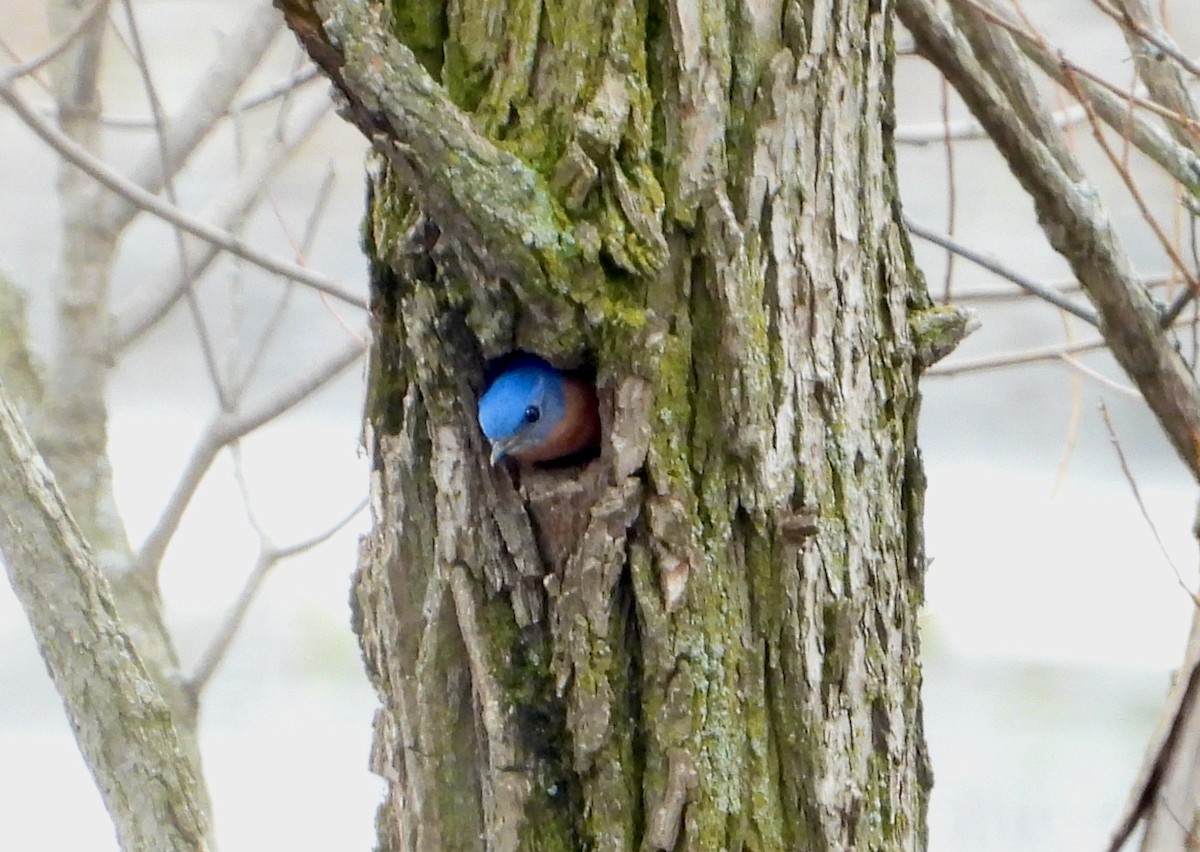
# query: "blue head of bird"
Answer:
x=520 y=409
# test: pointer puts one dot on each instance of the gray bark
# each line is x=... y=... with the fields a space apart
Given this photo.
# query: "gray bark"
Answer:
x=121 y=722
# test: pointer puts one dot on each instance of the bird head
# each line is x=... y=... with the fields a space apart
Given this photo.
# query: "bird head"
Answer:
x=521 y=407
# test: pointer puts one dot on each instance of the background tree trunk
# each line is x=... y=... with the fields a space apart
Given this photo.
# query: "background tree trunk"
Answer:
x=706 y=638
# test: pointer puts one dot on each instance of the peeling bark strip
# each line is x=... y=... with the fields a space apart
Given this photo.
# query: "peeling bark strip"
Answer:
x=705 y=639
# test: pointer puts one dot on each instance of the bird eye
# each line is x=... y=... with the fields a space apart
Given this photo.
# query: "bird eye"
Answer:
x=532 y=414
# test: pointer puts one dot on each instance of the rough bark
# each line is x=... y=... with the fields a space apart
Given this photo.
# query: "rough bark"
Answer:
x=121 y=721
x=706 y=638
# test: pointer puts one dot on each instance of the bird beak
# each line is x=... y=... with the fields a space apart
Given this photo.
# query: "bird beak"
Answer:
x=504 y=448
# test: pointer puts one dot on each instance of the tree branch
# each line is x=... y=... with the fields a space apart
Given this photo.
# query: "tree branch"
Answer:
x=208 y=104
x=1074 y=221
x=207 y=350
x=223 y=430
x=1142 y=28
x=1113 y=107
x=80 y=158
x=1142 y=22
x=1027 y=284
x=482 y=194
x=126 y=121
x=920 y=134
x=231 y=203
x=121 y=722
x=268 y=557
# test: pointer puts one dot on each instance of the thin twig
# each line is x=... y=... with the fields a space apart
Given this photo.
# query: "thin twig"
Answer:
x=275 y=322
x=983 y=293
x=144 y=200
x=1137 y=496
x=1098 y=377
x=226 y=428
x=138 y=52
x=1186 y=295
x=962 y=366
x=1030 y=286
x=116 y=121
x=1014 y=359
x=951 y=188
x=243 y=487
x=81 y=24
x=299 y=60
x=268 y=557
x=963 y=129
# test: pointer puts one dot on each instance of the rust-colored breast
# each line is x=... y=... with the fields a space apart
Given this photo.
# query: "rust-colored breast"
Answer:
x=578 y=430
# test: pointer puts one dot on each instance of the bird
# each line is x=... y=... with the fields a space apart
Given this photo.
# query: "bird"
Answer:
x=533 y=412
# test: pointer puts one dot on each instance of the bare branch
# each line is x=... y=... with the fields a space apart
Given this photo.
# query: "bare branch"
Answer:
x=1111 y=104
x=168 y=213
x=160 y=136
x=1030 y=286
x=1098 y=377
x=216 y=88
x=293 y=83
x=1127 y=472
x=257 y=359
x=951 y=186
x=1062 y=286
x=1190 y=281
x=232 y=202
x=930 y=132
x=282 y=89
x=121 y=722
x=1141 y=21
x=1163 y=79
x=268 y=557
x=226 y=428
x=1074 y=221
x=1019 y=358
x=84 y=22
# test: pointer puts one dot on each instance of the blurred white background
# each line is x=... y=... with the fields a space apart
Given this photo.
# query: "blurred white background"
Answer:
x=1053 y=619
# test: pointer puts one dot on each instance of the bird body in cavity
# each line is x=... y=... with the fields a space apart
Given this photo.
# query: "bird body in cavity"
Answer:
x=533 y=412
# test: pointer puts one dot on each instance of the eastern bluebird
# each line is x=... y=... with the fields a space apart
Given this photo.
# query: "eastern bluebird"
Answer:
x=535 y=413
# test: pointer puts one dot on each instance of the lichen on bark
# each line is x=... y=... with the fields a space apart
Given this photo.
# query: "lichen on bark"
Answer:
x=706 y=638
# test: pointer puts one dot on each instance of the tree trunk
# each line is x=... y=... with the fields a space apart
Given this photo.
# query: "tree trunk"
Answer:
x=707 y=637
x=71 y=422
